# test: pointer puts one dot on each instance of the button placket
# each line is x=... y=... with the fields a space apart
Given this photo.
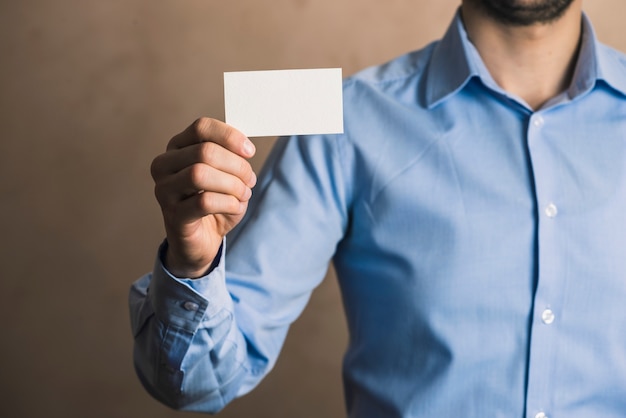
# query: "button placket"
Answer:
x=549 y=274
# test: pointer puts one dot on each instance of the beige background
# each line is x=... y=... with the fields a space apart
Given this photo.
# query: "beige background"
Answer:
x=90 y=92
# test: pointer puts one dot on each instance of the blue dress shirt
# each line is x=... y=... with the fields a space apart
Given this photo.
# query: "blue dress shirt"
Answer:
x=480 y=247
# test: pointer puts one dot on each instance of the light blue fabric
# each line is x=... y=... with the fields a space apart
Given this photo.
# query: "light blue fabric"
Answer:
x=480 y=247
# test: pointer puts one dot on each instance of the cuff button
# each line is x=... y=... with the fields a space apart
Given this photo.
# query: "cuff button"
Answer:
x=191 y=306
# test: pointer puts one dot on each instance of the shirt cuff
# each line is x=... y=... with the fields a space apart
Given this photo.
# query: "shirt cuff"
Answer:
x=184 y=302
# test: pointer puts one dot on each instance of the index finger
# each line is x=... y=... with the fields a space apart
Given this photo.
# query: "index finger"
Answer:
x=213 y=130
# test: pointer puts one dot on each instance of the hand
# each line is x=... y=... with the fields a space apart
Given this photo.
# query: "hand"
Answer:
x=203 y=183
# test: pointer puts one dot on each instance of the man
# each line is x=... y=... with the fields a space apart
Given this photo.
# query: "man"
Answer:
x=475 y=211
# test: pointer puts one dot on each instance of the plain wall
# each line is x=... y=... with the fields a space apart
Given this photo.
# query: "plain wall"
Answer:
x=91 y=91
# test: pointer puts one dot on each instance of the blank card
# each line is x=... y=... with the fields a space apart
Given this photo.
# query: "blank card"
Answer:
x=284 y=102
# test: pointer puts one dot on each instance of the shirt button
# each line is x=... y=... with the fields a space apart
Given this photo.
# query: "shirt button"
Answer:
x=191 y=306
x=541 y=415
x=538 y=121
x=547 y=316
x=551 y=210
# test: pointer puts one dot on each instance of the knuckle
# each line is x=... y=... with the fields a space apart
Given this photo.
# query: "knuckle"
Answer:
x=202 y=126
x=160 y=195
x=155 y=167
x=244 y=166
x=205 y=203
x=157 y=192
x=246 y=173
x=242 y=191
x=240 y=209
x=232 y=205
x=213 y=204
x=207 y=152
x=197 y=175
x=171 y=144
x=246 y=169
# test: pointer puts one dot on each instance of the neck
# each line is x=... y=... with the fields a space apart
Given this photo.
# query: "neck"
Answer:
x=533 y=62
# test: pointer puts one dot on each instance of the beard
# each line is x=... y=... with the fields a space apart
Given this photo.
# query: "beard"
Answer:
x=524 y=12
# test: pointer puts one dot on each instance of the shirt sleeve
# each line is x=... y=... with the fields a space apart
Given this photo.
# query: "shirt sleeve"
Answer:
x=200 y=343
x=188 y=354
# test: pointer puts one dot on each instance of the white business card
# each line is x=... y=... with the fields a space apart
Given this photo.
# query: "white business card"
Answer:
x=284 y=102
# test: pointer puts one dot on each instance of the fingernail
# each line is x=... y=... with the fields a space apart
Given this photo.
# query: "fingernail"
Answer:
x=248 y=147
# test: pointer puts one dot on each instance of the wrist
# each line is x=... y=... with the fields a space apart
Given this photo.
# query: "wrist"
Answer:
x=181 y=268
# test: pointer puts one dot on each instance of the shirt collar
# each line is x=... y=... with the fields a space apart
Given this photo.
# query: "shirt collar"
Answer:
x=450 y=69
x=597 y=62
x=455 y=61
